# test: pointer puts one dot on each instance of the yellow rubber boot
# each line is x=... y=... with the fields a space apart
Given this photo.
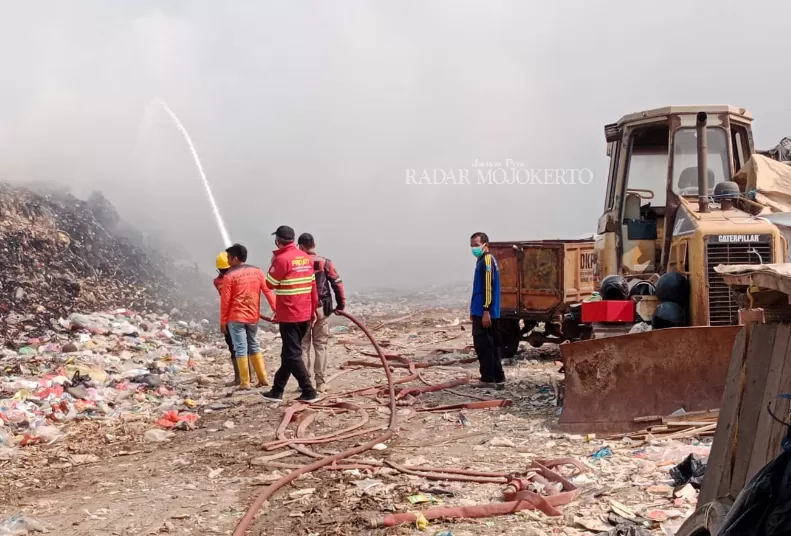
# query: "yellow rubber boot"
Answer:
x=260 y=368
x=244 y=372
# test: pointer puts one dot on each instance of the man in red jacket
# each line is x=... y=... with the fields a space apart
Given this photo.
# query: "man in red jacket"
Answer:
x=326 y=278
x=240 y=311
x=292 y=278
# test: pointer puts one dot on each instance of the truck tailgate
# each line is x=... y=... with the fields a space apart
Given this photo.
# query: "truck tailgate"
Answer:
x=542 y=277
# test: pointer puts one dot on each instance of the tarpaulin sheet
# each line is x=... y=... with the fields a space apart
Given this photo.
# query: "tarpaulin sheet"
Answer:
x=783 y=270
x=767 y=181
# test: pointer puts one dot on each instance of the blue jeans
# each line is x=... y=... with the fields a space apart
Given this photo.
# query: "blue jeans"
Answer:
x=244 y=338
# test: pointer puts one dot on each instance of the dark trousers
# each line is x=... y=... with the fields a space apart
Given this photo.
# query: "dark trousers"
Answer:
x=487 y=346
x=291 y=362
x=229 y=342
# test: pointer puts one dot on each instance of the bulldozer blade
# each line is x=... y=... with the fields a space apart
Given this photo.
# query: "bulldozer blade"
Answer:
x=611 y=381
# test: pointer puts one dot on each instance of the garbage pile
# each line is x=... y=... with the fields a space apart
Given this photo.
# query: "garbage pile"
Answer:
x=106 y=367
x=60 y=254
x=780 y=152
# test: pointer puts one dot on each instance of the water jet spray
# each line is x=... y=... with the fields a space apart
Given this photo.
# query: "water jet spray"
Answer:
x=220 y=224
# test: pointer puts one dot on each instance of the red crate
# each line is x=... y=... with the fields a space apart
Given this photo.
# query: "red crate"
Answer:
x=608 y=311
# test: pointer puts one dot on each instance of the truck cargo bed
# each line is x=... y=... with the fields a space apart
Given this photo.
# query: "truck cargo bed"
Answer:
x=539 y=279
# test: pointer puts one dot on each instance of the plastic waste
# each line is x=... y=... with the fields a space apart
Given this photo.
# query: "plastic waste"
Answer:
x=673 y=451
x=155 y=435
x=99 y=377
x=6 y=438
x=603 y=452
x=640 y=328
x=626 y=530
x=19 y=526
x=173 y=418
x=690 y=471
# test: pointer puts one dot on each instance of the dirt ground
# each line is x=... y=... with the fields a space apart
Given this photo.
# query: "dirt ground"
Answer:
x=100 y=480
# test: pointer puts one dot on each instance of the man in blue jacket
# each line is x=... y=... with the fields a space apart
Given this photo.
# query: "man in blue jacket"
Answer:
x=485 y=311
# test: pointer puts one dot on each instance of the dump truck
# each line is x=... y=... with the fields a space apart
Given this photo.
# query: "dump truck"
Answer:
x=540 y=282
x=680 y=196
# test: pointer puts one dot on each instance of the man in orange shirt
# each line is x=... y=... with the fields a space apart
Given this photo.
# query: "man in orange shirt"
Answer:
x=222 y=269
x=240 y=311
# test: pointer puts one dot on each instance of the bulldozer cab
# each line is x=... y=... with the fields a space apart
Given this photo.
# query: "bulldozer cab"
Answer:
x=653 y=164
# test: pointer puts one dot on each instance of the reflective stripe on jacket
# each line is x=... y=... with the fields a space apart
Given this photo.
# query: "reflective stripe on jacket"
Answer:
x=240 y=297
x=291 y=277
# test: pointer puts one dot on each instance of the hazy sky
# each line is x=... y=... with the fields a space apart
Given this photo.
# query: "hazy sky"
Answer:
x=309 y=113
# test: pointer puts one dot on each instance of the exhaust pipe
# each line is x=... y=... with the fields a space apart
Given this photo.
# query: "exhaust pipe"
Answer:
x=703 y=163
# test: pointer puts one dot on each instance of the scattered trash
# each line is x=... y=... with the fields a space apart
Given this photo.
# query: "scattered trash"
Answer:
x=622 y=511
x=690 y=471
x=657 y=515
x=19 y=526
x=301 y=493
x=592 y=525
x=626 y=530
x=660 y=490
x=501 y=442
x=156 y=435
x=603 y=452
x=421 y=522
x=640 y=328
x=687 y=492
x=368 y=486
x=176 y=420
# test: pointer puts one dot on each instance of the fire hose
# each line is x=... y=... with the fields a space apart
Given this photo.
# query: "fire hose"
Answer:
x=516 y=494
x=270 y=490
x=518 y=499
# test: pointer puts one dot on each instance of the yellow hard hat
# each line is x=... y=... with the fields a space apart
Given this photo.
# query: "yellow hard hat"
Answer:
x=222 y=261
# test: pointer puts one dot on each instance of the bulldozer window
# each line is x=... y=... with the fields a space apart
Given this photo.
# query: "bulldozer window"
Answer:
x=614 y=152
x=685 y=160
x=741 y=147
x=647 y=165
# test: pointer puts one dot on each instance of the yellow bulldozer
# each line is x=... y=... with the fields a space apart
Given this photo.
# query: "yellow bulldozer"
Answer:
x=686 y=192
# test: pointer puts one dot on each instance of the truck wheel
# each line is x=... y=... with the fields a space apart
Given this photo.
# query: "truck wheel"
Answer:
x=510 y=336
x=706 y=520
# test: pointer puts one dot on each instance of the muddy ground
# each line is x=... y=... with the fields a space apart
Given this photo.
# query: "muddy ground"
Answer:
x=109 y=480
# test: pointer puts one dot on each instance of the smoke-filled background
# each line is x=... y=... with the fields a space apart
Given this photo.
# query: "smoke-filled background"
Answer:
x=309 y=113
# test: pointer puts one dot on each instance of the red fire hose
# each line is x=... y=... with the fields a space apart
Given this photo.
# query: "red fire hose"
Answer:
x=249 y=516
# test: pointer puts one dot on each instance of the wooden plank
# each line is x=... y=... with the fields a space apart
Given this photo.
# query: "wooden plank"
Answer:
x=759 y=358
x=691 y=423
x=780 y=408
x=763 y=451
x=729 y=409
